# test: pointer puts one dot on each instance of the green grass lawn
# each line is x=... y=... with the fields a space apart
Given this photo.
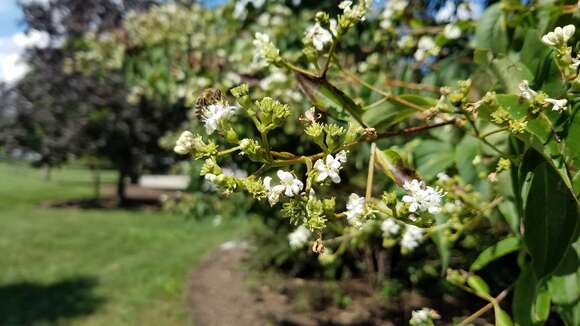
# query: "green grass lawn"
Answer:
x=93 y=267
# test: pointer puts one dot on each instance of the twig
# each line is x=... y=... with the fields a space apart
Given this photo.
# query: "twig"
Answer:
x=485 y=308
x=414 y=130
x=371 y=173
x=388 y=96
x=413 y=86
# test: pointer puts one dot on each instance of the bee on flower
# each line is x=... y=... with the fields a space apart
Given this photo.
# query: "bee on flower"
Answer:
x=214 y=115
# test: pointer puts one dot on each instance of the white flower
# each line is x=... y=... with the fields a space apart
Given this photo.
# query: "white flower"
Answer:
x=425 y=47
x=319 y=36
x=333 y=25
x=185 y=143
x=355 y=208
x=452 y=31
x=214 y=114
x=390 y=227
x=406 y=42
x=421 y=198
x=442 y=176
x=289 y=186
x=558 y=105
x=345 y=5
x=525 y=91
x=276 y=77
x=412 y=237
x=292 y=186
x=357 y=12
x=210 y=177
x=423 y=317
x=559 y=36
x=264 y=47
x=299 y=237
x=397 y=6
x=329 y=167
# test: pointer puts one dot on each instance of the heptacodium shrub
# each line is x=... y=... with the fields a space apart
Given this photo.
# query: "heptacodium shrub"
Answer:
x=447 y=134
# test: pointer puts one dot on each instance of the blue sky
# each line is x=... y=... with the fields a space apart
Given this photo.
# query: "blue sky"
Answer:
x=11 y=18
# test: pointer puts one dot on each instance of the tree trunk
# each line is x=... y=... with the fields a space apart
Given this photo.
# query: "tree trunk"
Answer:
x=47 y=172
x=122 y=188
x=97 y=183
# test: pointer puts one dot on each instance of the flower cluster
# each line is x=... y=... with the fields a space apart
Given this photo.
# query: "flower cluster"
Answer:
x=560 y=36
x=422 y=198
x=299 y=237
x=568 y=64
x=355 y=209
x=390 y=227
x=426 y=47
x=265 y=49
x=412 y=238
x=393 y=10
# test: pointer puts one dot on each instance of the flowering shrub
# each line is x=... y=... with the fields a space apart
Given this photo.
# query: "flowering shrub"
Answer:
x=478 y=136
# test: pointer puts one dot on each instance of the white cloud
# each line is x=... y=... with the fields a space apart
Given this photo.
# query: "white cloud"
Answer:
x=12 y=48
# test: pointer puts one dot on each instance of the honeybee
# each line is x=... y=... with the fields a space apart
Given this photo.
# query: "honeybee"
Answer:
x=208 y=97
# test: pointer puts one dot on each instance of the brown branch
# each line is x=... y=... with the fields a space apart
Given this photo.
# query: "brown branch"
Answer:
x=485 y=308
x=413 y=86
x=414 y=130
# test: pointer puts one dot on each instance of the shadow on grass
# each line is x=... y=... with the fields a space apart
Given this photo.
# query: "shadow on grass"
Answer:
x=29 y=303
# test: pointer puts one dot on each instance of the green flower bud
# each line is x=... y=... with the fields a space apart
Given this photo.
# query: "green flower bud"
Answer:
x=500 y=116
x=271 y=113
x=239 y=91
x=253 y=150
x=517 y=126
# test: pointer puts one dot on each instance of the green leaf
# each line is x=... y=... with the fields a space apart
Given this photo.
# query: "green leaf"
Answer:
x=387 y=115
x=509 y=212
x=491 y=31
x=479 y=286
x=541 y=309
x=482 y=56
x=565 y=288
x=498 y=250
x=442 y=242
x=465 y=152
x=550 y=220
x=325 y=96
x=432 y=157
x=524 y=297
x=510 y=73
x=501 y=317
x=393 y=166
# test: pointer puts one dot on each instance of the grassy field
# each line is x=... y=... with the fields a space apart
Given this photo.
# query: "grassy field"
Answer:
x=93 y=267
